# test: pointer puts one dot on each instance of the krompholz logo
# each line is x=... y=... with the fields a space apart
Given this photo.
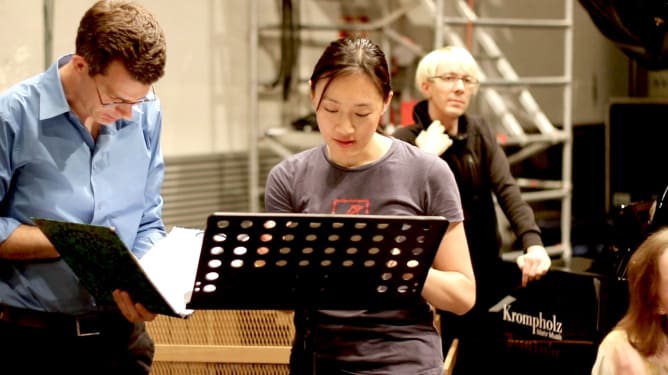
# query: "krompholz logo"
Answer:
x=550 y=328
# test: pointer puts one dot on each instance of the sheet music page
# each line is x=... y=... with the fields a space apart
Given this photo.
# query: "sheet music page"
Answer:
x=172 y=264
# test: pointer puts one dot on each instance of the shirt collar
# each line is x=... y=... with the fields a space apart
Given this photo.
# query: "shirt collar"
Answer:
x=52 y=98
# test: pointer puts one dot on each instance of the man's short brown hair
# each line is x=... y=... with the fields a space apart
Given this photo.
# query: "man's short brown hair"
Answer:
x=122 y=30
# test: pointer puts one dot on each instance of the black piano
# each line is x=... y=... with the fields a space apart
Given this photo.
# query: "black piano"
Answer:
x=554 y=325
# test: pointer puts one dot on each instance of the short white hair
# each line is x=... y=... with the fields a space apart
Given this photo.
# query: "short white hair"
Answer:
x=444 y=60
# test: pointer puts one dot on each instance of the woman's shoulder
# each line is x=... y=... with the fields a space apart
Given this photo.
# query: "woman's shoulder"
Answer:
x=616 y=355
x=407 y=133
x=418 y=161
x=298 y=161
x=479 y=126
x=405 y=149
x=616 y=343
x=304 y=155
x=617 y=336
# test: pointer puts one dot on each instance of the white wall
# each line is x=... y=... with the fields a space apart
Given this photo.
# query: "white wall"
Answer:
x=197 y=119
x=205 y=91
x=600 y=71
x=21 y=38
x=199 y=33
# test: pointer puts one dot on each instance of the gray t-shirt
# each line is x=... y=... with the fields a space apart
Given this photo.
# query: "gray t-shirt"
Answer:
x=405 y=181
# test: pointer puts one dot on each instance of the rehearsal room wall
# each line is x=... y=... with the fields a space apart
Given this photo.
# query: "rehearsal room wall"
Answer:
x=205 y=91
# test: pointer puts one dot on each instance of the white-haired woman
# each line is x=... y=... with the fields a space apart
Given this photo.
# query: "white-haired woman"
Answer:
x=448 y=78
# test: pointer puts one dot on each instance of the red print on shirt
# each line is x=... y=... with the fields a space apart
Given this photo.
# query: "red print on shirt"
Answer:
x=351 y=206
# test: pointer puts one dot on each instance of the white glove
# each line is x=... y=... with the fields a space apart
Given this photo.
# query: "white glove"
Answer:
x=434 y=140
x=534 y=264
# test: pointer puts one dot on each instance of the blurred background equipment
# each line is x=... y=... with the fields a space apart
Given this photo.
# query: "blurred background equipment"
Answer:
x=637 y=27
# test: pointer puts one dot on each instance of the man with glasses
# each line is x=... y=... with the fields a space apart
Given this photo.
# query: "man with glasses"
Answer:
x=81 y=143
x=448 y=78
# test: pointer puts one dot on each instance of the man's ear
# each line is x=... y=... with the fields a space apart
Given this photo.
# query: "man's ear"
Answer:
x=79 y=63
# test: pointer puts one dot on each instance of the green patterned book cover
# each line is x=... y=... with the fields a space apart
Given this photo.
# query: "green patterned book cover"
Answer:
x=103 y=263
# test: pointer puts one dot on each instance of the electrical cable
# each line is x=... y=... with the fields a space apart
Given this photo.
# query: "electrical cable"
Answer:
x=289 y=48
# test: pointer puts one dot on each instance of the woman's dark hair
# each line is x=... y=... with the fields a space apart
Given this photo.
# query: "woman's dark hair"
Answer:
x=353 y=55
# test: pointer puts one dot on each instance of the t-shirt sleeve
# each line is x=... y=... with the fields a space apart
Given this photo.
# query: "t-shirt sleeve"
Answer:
x=277 y=191
x=442 y=194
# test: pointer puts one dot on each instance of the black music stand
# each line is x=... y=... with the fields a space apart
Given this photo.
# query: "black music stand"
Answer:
x=316 y=261
x=306 y=262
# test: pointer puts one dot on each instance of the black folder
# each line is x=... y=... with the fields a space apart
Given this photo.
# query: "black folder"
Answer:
x=103 y=263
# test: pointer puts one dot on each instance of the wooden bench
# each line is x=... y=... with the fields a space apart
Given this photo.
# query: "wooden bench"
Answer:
x=223 y=342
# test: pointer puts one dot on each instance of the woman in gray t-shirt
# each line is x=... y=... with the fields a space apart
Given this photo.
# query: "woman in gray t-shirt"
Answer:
x=360 y=171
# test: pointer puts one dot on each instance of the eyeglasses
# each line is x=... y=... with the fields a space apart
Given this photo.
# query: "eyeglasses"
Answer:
x=451 y=79
x=148 y=98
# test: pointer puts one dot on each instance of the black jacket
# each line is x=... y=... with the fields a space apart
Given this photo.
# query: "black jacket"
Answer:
x=481 y=169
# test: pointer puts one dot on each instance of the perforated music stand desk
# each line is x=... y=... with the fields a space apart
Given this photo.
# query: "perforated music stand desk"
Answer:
x=288 y=261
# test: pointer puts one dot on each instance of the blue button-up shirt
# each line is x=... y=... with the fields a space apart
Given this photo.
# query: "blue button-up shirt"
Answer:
x=50 y=167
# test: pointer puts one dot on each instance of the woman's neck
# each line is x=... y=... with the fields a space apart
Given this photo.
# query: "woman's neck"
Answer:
x=378 y=146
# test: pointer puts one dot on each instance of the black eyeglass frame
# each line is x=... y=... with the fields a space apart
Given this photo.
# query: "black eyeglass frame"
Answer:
x=151 y=97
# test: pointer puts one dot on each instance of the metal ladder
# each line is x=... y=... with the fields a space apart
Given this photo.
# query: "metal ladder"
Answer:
x=509 y=100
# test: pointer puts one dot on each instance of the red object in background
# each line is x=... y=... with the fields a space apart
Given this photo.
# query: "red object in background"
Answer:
x=406 y=111
x=347 y=19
